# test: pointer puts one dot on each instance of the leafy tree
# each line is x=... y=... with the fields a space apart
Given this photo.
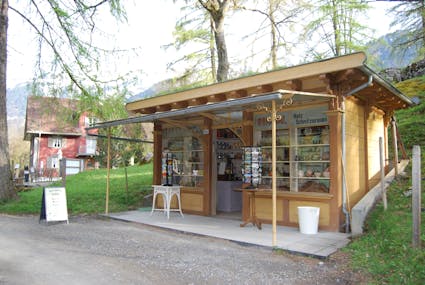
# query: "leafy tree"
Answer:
x=205 y=24
x=67 y=29
x=113 y=107
x=335 y=27
x=279 y=19
x=194 y=33
x=217 y=10
x=410 y=15
x=6 y=186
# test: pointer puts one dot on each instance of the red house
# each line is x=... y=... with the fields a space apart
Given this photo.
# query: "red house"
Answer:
x=56 y=129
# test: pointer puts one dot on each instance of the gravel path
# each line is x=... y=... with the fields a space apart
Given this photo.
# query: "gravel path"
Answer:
x=90 y=250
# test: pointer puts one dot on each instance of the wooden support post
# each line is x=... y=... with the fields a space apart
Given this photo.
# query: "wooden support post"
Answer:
x=273 y=118
x=62 y=168
x=416 y=196
x=381 y=162
x=126 y=185
x=395 y=146
x=108 y=166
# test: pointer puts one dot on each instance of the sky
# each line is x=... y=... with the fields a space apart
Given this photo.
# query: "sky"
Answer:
x=150 y=26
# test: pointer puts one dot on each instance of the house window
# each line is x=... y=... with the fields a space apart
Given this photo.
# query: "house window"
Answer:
x=90 y=121
x=56 y=142
x=53 y=162
x=91 y=145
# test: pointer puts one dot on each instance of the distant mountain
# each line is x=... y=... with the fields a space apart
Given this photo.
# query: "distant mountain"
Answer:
x=17 y=100
x=382 y=52
x=154 y=90
x=16 y=103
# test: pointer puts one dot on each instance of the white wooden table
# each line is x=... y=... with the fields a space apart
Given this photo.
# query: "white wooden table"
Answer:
x=167 y=193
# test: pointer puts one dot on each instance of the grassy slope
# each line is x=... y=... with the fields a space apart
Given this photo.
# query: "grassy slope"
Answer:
x=86 y=192
x=411 y=121
x=385 y=249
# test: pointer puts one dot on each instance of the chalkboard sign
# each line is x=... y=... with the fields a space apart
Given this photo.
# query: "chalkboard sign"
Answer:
x=53 y=204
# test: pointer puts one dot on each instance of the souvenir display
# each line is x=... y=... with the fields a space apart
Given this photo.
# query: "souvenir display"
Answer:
x=251 y=166
x=167 y=169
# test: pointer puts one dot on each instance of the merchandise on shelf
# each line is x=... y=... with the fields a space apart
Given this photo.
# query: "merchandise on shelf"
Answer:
x=302 y=157
x=187 y=163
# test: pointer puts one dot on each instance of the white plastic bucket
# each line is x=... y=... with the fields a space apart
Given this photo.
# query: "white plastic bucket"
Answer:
x=308 y=219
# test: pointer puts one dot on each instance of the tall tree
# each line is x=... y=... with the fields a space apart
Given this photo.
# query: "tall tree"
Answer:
x=6 y=186
x=66 y=28
x=193 y=33
x=217 y=10
x=280 y=16
x=202 y=28
x=410 y=16
x=336 y=26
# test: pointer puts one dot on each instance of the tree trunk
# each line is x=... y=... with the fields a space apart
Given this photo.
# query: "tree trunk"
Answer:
x=212 y=52
x=6 y=186
x=217 y=10
x=336 y=28
x=223 y=62
x=273 y=50
x=422 y=12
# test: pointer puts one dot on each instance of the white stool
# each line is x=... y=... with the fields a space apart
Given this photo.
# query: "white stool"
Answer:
x=167 y=193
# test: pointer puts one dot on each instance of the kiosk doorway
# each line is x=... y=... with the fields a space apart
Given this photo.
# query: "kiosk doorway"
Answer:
x=228 y=158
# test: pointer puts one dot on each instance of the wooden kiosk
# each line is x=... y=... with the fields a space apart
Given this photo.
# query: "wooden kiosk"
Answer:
x=329 y=117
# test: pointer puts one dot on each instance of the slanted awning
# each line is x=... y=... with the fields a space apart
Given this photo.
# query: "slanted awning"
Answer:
x=231 y=105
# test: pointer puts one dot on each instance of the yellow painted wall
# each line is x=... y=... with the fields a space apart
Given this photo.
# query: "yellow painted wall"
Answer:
x=192 y=202
x=375 y=130
x=264 y=209
x=324 y=216
x=355 y=151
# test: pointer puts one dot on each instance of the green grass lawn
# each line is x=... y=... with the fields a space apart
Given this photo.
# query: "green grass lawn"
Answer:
x=86 y=192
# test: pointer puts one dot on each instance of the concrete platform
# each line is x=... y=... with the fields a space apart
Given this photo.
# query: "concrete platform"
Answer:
x=320 y=245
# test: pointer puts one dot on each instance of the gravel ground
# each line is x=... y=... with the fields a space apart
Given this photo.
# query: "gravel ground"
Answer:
x=91 y=250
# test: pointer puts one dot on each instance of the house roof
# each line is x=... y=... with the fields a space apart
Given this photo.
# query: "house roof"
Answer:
x=343 y=73
x=316 y=82
x=51 y=115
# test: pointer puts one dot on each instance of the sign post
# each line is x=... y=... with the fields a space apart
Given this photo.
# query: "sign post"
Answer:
x=416 y=196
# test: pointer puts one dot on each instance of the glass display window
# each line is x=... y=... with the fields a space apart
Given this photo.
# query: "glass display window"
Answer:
x=311 y=160
x=302 y=151
x=184 y=157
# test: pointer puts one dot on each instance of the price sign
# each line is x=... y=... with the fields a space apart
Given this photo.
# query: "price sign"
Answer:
x=54 y=206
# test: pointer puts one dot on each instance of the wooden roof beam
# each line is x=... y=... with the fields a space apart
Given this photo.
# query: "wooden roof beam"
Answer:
x=163 y=108
x=236 y=94
x=343 y=75
x=149 y=110
x=197 y=101
x=295 y=84
x=264 y=88
x=327 y=80
x=216 y=98
x=209 y=116
x=233 y=125
x=179 y=105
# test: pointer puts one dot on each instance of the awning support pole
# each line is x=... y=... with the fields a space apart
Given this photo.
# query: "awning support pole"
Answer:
x=274 y=118
x=108 y=167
